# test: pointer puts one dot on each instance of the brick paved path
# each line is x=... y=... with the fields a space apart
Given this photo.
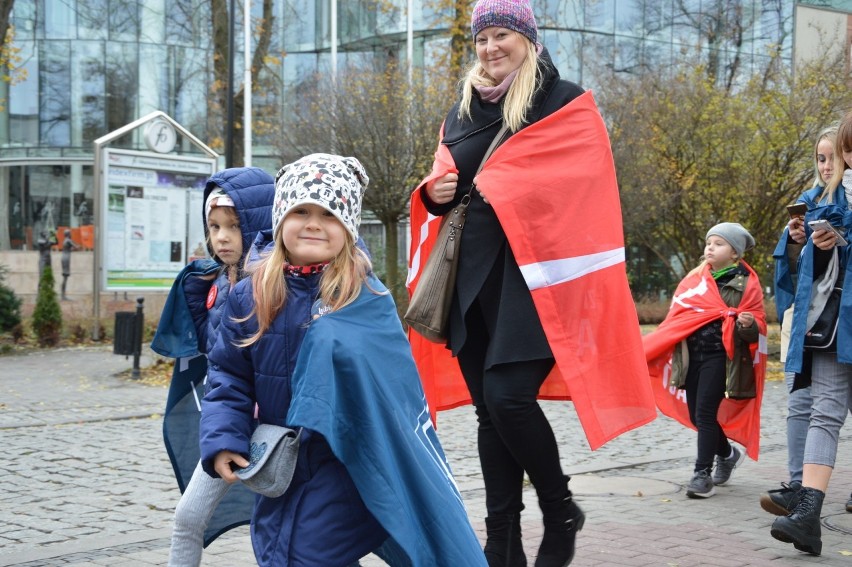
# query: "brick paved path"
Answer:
x=86 y=480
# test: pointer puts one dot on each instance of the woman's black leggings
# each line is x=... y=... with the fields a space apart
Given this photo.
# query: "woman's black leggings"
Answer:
x=705 y=390
x=514 y=435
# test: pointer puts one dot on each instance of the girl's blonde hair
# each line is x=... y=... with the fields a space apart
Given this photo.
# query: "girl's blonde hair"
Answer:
x=830 y=134
x=519 y=97
x=233 y=270
x=340 y=283
x=842 y=143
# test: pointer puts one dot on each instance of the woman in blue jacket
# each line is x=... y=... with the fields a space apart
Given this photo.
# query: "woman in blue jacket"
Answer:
x=823 y=266
x=313 y=339
x=781 y=500
x=237 y=205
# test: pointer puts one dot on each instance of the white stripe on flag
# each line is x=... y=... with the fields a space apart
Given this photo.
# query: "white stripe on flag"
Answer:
x=414 y=268
x=552 y=272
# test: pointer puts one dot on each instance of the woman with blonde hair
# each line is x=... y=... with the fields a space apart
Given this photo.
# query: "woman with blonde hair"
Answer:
x=514 y=337
x=824 y=265
x=781 y=500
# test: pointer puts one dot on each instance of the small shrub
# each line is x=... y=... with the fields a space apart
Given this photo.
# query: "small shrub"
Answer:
x=78 y=333
x=10 y=304
x=47 y=317
x=18 y=332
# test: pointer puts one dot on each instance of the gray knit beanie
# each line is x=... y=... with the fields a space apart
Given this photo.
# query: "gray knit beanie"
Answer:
x=735 y=234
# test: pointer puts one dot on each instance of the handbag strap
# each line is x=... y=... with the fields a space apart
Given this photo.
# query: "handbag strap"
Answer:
x=498 y=139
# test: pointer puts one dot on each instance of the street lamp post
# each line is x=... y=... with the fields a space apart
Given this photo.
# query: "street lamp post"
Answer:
x=229 y=130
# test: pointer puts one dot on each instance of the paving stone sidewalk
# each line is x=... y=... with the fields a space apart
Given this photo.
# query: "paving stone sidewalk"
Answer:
x=87 y=482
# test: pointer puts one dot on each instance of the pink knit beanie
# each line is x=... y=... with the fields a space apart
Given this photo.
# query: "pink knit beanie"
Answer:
x=515 y=15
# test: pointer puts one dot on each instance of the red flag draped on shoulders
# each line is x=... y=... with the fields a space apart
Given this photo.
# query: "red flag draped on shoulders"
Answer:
x=554 y=190
x=697 y=302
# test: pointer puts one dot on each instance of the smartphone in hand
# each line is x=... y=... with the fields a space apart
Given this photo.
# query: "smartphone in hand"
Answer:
x=822 y=224
x=797 y=210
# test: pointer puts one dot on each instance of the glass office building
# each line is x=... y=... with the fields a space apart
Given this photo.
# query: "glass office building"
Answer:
x=88 y=67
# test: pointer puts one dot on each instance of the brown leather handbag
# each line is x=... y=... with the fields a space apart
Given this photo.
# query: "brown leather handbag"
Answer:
x=429 y=308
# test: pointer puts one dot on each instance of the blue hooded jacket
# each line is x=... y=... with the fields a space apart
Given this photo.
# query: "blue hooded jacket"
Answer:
x=839 y=215
x=187 y=327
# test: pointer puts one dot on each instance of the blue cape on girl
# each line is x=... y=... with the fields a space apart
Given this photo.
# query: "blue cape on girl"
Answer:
x=355 y=382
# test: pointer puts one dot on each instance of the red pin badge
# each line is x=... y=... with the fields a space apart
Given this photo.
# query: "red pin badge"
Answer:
x=211 y=296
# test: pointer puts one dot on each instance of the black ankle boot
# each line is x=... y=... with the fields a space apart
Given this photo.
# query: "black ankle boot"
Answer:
x=562 y=520
x=801 y=527
x=504 y=548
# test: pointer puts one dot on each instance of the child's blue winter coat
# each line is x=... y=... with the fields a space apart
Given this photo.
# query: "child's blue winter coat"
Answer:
x=187 y=327
x=370 y=467
x=321 y=520
x=252 y=190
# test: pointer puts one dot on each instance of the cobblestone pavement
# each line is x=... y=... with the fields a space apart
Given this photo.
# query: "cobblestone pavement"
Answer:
x=86 y=480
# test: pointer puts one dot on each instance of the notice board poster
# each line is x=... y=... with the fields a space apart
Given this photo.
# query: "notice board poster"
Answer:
x=153 y=221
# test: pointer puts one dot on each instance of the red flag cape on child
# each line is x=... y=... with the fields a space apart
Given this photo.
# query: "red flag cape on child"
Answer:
x=697 y=302
x=553 y=188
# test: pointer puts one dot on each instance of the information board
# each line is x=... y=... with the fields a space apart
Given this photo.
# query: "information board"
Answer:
x=153 y=219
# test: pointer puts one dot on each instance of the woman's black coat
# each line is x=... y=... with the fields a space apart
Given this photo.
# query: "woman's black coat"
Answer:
x=488 y=274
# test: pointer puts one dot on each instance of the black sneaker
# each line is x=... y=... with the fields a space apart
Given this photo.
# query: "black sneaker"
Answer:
x=781 y=501
x=701 y=485
x=849 y=504
x=724 y=467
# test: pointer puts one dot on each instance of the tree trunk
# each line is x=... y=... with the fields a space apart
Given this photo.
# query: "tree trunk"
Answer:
x=5 y=12
x=219 y=22
x=392 y=262
x=460 y=41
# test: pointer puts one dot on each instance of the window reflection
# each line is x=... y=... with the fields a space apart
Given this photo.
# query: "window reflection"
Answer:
x=600 y=15
x=92 y=19
x=87 y=61
x=46 y=198
x=60 y=19
x=54 y=94
x=123 y=20
x=629 y=17
x=122 y=87
x=23 y=101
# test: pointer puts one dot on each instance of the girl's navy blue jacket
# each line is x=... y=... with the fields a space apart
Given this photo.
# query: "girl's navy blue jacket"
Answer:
x=321 y=519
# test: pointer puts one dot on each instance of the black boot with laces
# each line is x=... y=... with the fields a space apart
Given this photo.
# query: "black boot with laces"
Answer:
x=801 y=527
x=781 y=501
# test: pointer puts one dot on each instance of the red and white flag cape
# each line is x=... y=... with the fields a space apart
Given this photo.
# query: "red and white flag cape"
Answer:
x=697 y=302
x=554 y=190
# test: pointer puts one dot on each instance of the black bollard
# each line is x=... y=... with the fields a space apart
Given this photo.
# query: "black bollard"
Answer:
x=137 y=337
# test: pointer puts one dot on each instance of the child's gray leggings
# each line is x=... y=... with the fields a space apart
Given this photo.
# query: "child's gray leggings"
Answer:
x=192 y=514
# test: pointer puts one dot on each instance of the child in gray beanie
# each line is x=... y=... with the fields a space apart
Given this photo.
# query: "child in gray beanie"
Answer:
x=716 y=317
